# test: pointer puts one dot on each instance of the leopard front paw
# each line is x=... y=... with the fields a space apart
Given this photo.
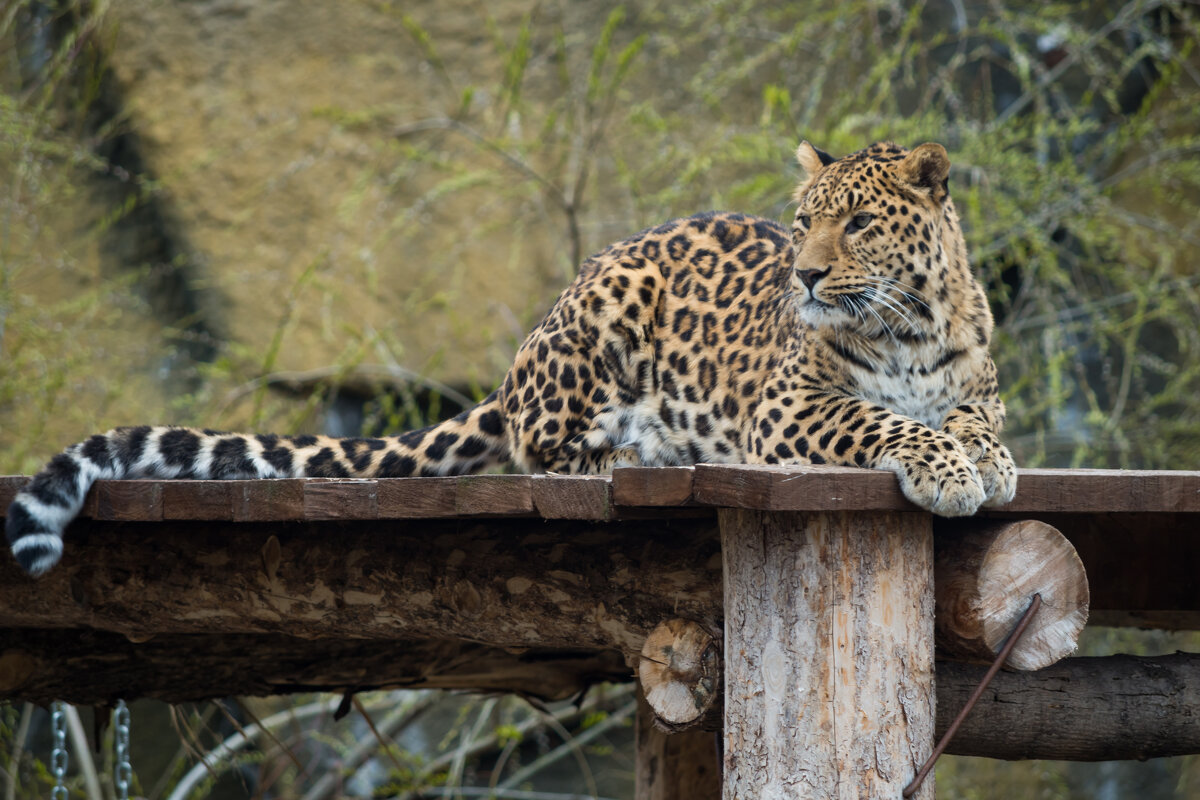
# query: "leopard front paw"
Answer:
x=937 y=475
x=997 y=471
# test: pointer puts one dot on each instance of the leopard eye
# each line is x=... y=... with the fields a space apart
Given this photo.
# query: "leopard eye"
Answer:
x=859 y=221
x=805 y=220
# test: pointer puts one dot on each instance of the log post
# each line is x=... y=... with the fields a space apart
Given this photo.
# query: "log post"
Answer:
x=986 y=575
x=674 y=766
x=680 y=673
x=829 y=653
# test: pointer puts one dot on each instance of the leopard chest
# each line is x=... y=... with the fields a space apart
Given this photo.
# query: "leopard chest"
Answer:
x=924 y=384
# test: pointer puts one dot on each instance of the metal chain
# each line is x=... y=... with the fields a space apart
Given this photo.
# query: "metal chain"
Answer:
x=58 y=759
x=124 y=772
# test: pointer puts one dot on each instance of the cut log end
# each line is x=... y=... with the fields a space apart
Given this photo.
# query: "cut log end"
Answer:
x=680 y=673
x=986 y=579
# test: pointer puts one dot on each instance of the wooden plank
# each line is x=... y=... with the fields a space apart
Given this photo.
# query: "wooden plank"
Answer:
x=417 y=498
x=798 y=488
x=1112 y=491
x=341 y=499
x=128 y=501
x=207 y=500
x=573 y=496
x=652 y=486
x=826 y=488
x=828 y=653
x=268 y=500
x=493 y=495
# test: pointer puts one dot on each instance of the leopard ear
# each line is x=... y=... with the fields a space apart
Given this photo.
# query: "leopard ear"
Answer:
x=811 y=161
x=927 y=169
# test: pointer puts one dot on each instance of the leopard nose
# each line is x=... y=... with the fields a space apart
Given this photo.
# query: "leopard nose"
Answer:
x=809 y=277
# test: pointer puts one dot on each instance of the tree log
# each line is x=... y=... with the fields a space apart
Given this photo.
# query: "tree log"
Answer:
x=680 y=673
x=986 y=576
x=674 y=766
x=1080 y=709
x=502 y=582
x=829 y=653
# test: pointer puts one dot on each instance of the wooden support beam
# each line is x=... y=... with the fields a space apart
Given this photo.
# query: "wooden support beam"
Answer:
x=680 y=673
x=507 y=583
x=1080 y=709
x=674 y=766
x=986 y=575
x=829 y=653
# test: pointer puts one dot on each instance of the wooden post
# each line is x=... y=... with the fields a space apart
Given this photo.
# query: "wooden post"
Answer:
x=828 y=653
x=674 y=766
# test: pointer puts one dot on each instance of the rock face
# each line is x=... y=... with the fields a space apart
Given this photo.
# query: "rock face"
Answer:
x=282 y=181
x=269 y=125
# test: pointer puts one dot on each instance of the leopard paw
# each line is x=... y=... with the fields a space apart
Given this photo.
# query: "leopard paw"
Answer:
x=998 y=472
x=938 y=477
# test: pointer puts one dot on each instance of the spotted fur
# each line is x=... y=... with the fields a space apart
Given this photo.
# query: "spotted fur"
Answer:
x=858 y=337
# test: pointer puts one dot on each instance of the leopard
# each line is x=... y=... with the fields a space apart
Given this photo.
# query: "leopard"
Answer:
x=859 y=336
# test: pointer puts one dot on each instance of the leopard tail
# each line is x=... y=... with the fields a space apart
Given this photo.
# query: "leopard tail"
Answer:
x=473 y=441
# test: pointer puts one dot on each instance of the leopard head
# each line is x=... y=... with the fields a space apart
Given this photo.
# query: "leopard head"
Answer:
x=878 y=248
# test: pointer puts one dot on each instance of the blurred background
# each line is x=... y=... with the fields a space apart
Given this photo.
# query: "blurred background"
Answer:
x=343 y=217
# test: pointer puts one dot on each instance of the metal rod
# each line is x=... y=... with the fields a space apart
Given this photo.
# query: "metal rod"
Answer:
x=1001 y=657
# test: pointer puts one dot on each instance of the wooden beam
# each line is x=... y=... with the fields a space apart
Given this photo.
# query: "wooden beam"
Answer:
x=90 y=667
x=986 y=577
x=503 y=582
x=674 y=766
x=1080 y=709
x=812 y=601
x=1039 y=491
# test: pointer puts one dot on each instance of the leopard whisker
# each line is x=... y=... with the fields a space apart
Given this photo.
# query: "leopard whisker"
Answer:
x=898 y=310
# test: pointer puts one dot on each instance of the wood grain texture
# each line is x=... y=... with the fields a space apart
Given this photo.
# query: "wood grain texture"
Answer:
x=573 y=496
x=680 y=672
x=812 y=601
x=675 y=766
x=502 y=582
x=1080 y=709
x=825 y=488
x=653 y=486
x=986 y=576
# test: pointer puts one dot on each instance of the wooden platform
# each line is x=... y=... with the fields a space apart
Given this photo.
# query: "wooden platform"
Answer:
x=185 y=590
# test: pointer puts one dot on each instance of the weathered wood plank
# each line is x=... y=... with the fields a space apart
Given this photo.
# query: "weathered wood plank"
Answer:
x=268 y=501
x=416 y=498
x=767 y=487
x=791 y=488
x=341 y=500
x=1041 y=491
x=652 y=486
x=573 y=496
x=128 y=501
x=187 y=499
x=494 y=495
